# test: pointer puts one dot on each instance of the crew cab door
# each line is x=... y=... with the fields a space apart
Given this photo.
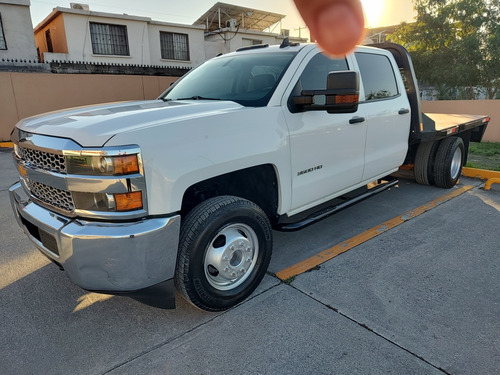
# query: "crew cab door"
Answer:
x=327 y=150
x=387 y=111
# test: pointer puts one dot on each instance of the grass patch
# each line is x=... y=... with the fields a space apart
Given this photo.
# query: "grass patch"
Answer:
x=485 y=155
x=485 y=148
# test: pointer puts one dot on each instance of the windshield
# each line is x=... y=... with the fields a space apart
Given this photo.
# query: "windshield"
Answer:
x=249 y=79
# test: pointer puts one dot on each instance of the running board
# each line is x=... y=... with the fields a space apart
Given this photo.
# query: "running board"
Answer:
x=382 y=185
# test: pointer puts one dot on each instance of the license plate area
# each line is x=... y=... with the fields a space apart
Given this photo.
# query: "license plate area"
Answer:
x=47 y=240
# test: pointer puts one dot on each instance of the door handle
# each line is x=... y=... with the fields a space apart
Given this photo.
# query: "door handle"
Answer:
x=404 y=111
x=356 y=120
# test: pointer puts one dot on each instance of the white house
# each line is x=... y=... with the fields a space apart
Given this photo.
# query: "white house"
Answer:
x=16 y=31
x=79 y=34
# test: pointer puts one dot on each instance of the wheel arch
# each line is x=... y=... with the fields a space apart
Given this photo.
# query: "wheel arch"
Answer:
x=259 y=184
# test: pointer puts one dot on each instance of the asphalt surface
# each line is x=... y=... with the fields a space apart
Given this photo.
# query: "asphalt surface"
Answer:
x=422 y=298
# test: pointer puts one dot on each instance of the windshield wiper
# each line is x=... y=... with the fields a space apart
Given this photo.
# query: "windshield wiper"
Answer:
x=197 y=97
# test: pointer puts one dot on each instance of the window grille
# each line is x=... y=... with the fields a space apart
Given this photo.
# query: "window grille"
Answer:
x=3 y=42
x=109 y=39
x=174 y=46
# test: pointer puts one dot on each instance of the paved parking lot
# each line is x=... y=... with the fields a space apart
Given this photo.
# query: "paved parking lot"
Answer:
x=421 y=298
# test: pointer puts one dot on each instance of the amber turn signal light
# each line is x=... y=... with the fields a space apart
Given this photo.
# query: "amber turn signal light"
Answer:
x=128 y=201
x=126 y=164
x=346 y=99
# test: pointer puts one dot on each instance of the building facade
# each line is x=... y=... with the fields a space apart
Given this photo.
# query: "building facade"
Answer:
x=379 y=34
x=81 y=35
x=229 y=27
x=16 y=32
x=227 y=40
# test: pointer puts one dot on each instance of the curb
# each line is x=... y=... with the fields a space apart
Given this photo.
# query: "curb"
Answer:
x=492 y=177
x=491 y=181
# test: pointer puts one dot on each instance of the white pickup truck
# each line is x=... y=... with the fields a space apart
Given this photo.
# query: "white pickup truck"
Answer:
x=141 y=198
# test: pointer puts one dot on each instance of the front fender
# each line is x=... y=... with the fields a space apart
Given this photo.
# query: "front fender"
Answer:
x=180 y=154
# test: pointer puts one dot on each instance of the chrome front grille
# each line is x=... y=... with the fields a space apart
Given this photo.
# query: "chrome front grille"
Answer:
x=55 y=197
x=43 y=160
x=51 y=182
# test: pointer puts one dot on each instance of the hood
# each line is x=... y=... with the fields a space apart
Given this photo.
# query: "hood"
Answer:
x=93 y=126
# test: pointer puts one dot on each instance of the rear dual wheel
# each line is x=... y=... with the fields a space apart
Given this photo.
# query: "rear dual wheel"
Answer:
x=225 y=249
x=423 y=163
x=440 y=163
x=449 y=162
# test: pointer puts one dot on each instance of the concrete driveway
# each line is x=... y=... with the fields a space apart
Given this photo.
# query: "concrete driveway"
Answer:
x=420 y=298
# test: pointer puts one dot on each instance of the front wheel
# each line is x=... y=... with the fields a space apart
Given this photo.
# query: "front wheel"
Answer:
x=225 y=249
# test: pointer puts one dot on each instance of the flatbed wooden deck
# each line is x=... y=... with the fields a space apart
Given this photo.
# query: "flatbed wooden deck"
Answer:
x=448 y=121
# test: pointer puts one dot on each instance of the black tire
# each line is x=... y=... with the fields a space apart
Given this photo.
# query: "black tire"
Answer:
x=423 y=166
x=224 y=251
x=449 y=162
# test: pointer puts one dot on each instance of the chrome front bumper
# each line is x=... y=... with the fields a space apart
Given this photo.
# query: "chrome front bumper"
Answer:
x=102 y=256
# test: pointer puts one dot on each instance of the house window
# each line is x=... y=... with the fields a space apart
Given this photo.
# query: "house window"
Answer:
x=174 y=46
x=48 y=38
x=250 y=42
x=3 y=43
x=109 y=39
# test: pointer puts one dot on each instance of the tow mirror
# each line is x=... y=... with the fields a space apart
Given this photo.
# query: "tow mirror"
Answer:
x=341 y=94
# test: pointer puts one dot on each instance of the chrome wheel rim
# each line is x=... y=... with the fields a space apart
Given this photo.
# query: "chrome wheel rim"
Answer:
x=456 y=163
x=231 y=256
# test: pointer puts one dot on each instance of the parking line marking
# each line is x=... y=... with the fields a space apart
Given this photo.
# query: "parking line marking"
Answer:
x=342 y=247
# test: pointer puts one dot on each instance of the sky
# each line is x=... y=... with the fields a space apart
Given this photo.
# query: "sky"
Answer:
x=378 y=12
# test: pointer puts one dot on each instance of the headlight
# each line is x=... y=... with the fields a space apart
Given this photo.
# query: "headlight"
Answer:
x=94 y=201
x=103 y=165
x=118 y=202
x=107 y=165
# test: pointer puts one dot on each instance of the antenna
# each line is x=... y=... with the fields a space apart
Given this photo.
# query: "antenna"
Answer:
x=285 y=43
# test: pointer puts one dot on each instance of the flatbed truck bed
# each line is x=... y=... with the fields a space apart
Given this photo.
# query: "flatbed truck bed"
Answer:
x=448 y=122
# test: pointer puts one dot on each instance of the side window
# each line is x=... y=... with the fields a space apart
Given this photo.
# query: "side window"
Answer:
x=314 y=77
x=377 y=76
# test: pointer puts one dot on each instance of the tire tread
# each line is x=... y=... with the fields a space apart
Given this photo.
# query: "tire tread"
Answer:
x=444 y=153
x=423 y=163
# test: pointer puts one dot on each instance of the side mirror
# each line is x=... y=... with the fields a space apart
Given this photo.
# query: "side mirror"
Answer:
x=341 y=94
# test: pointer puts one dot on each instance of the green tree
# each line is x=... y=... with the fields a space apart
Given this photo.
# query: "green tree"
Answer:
x=455 y=45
